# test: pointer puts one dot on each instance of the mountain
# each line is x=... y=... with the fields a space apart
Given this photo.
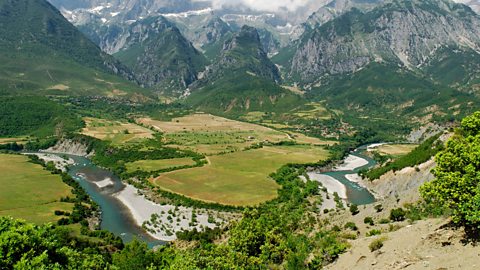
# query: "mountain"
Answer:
x=160 y=57
x=195 y=19
x=407 y=33
x=42 y=53
x=243 y=53
x=242 y=79
x=474 y=4
x=336 y=8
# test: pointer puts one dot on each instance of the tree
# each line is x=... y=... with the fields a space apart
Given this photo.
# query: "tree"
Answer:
x=397 y=214
x=135 y=255
x=457 y=175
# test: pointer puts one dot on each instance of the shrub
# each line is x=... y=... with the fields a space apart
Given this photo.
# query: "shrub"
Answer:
x=378 y=208
x=376 y=244
x=384 y=221
x=374 y=232
x=369 y=221
x=350 y=236
x=350 y=225
x=397 y=214
x=354 y=209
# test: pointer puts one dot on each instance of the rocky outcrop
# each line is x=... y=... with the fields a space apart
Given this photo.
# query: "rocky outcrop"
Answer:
x=402 y=184
x=70 y=147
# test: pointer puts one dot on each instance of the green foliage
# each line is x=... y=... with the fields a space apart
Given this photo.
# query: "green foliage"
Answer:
x=36 y=116
x=397 y=214
x=374 y=232
x=338 y=201
x=376 y=244
x=351 y=225
x=238 y=93
x=369 y=221
x=456 y=184
x=354 y=209
x=54 y=57
x=384 y=221
x=26 y=246
x=419 y=155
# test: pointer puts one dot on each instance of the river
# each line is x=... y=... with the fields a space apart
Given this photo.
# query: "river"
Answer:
x=356 y=194
x=116 y=218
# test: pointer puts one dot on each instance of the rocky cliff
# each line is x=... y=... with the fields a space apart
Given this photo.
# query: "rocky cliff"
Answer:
x=407 y=33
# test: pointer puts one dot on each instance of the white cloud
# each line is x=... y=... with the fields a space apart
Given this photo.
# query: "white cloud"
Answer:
x=263 y=5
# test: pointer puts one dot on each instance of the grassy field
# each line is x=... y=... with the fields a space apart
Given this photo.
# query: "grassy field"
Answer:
x=210 y=135
x=154 y=165
x=313 y=110
x=396 y=149
x=19 y=140
x=115 y=131
x=239 y=178
x=29 y=192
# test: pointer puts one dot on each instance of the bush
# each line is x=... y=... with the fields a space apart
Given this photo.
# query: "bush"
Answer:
x=350 y=236
x=374 y=232
x=59 y=213
x=384 y=221
x=397 y=214
x=378 y=208
x=376 y=244
x=354 y=209
x=369 y=221
x=350 y=225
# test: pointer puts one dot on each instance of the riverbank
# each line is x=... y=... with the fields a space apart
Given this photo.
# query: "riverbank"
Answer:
x=59 y=162
x=331 y=184
x=350 y=163
x=162 y=222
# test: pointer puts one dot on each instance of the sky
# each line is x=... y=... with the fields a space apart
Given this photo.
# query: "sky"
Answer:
x=267 y=5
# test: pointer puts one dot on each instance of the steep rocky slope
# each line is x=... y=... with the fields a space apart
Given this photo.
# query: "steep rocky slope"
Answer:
x=407 y=33
x=242 y=79
x=42 y=52
x=160 y=57
x=244 y=53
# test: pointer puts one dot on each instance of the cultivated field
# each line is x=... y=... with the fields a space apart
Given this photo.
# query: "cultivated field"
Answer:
x=18 y=140
x=154 y=165
x=29 y=192
x=210 y=135
x=115 y=131
x=240 y=178
x=314 y=110
x=396 y=149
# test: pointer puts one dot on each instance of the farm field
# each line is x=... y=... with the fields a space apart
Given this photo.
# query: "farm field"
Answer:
x=18 y=140
x=29 y=192
x=396 y=149
x=211 y=135
x=153 y=165
x=115 y=131
x=240 y=178
x=314 y=110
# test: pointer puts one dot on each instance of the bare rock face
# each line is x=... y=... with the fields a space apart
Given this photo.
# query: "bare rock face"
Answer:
x=69 y=147
x=407 y=33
